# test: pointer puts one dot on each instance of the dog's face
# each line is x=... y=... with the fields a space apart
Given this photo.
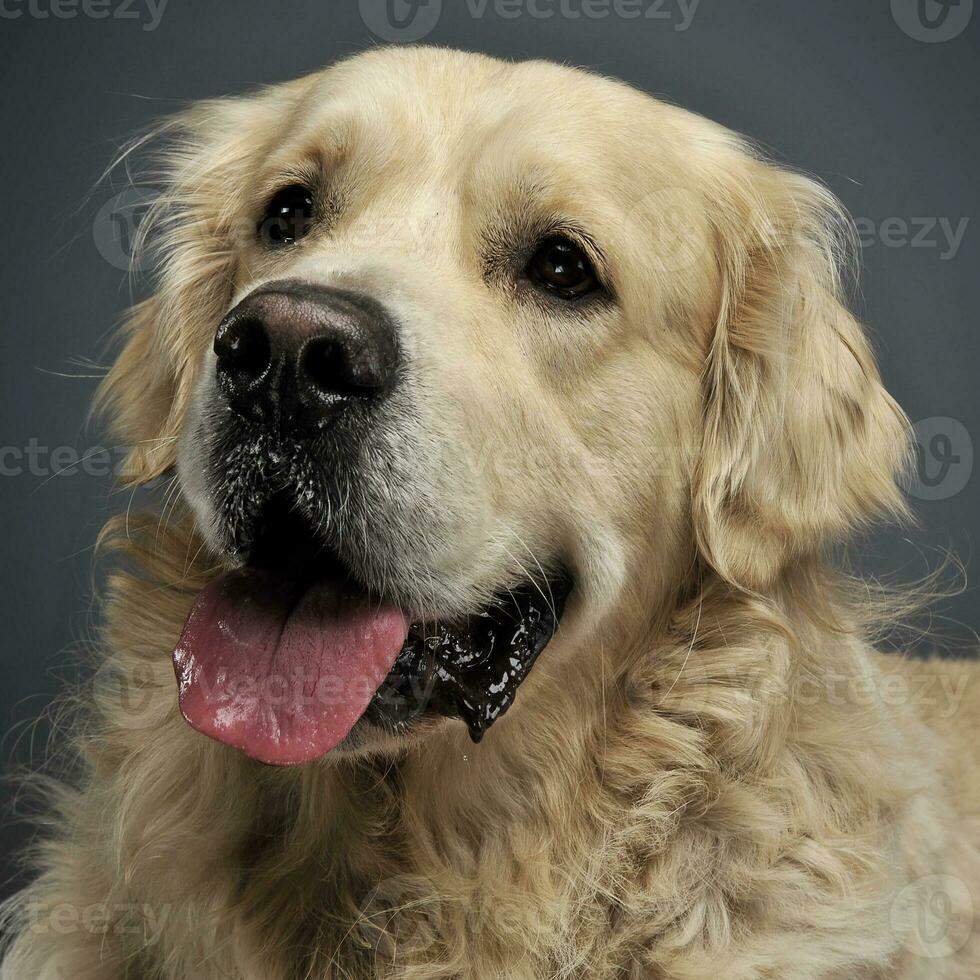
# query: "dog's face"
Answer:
x=442 y=342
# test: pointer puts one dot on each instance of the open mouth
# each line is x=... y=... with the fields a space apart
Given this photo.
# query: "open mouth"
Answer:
x=283 y=657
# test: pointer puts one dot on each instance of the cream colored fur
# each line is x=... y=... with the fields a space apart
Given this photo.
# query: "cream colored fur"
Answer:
x=710 y=773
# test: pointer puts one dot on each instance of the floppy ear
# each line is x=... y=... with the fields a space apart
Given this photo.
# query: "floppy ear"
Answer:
x=138 y=395
x=801 y=441
x=205 y=161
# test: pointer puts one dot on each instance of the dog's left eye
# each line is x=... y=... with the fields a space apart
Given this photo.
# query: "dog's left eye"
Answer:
x=288 y=216
x=560 y=266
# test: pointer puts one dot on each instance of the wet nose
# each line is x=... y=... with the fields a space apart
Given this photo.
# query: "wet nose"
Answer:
x=298 y=355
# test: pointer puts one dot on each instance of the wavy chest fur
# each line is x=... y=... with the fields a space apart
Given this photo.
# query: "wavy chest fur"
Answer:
x=681 y=823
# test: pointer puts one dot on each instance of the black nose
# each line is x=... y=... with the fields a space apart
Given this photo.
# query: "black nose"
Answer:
x=293 y=354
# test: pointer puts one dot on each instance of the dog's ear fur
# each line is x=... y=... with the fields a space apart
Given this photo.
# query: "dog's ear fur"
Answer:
x=200 y=157
x=801 y=441
x=138 y=394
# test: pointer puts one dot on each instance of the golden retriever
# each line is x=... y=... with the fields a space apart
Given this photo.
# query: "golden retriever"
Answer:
x=512 y=415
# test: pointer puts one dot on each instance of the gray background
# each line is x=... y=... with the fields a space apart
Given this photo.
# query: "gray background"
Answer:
x=839 y=88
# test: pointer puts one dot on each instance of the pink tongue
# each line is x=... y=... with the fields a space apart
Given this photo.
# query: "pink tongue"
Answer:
x=279 y=670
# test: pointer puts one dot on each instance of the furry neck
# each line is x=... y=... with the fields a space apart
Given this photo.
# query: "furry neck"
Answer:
x=636 y=815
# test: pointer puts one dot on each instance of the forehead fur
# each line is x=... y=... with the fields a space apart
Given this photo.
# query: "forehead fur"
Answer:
x=441 y=107
x=465 y=147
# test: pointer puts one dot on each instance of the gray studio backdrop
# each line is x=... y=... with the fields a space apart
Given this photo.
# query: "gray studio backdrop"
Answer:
x=879 y=99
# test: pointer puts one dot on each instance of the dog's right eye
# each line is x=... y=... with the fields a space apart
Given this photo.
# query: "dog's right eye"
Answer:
x=288 y=216
x=562 y=267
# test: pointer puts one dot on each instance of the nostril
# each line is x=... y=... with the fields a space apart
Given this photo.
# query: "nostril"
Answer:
x=242 y=347
x=326 y=367
x=296 y=357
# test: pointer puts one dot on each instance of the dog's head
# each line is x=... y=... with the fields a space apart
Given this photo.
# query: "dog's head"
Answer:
x=441 y=342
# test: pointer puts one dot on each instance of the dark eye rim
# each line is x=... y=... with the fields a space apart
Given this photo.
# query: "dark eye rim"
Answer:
x=593 y=286
x=268 y=219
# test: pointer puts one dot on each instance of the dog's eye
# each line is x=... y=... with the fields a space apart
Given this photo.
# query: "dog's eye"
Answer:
x=288 y=216
x=560 y=266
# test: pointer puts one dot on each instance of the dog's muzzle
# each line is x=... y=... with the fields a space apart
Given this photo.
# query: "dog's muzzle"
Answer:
x=312 y=496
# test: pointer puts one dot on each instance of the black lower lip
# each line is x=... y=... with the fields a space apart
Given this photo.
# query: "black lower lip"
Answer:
x=472 y=669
